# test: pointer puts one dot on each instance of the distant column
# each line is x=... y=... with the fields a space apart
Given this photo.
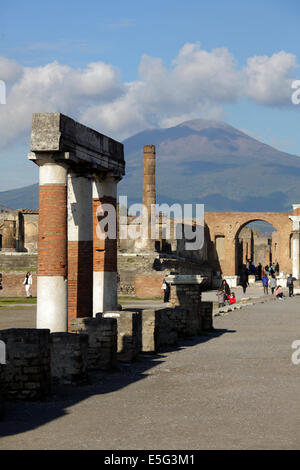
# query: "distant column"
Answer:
x=295 y=248
x=149 y=196
x=52 y=247
x=105 y=282
x=80 y=246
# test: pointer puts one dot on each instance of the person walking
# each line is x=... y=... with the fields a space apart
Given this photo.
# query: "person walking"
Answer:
x=166 y=287
x=244 y=279
x=290 y=284
x=28 y=283
x=259 y=271
x=272 y=283
x=265 y=283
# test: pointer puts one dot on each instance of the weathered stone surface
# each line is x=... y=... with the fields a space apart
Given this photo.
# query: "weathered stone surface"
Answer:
x=129 y=334
x=27 y=370
x=69 y=358
x=102 y=340
x=2 y=366
x=55 y=132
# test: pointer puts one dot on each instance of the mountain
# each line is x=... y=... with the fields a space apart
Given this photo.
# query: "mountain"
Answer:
x=21 y=198
x=206 y=162
x=215 y=164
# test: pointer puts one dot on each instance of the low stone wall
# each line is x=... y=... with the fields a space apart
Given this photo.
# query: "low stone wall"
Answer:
x=206 y=315
x=12 y=285
x=102 y=340
x=129 y=334
x=150 y=322
x=69 y=358
x=27 y=373
x=2 y=366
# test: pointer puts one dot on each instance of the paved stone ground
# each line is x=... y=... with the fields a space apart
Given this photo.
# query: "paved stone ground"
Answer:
x=233 y=389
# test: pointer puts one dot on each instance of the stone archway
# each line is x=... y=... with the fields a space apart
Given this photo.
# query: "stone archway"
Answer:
x=229 y=224
x=249 y=246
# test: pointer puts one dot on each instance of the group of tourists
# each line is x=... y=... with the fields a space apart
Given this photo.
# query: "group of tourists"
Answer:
x=270 y=281
x=259 y=271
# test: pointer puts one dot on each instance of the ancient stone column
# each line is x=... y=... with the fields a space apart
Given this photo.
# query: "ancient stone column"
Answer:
x=296 y=254
x=52 y=247
x=149 y=197
x=61 y=146
x=9 y=236
x=105 y=282
x=295 y=248
x=80 y=246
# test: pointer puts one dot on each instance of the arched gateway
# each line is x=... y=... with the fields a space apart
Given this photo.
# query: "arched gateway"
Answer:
x=224 y=229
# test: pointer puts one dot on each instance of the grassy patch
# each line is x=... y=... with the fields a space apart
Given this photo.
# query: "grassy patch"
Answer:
x=18 y=300
x=122 y=298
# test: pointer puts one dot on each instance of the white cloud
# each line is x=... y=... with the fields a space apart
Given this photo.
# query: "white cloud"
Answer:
x=10 y=70
x=269 y=79
x=197 y=84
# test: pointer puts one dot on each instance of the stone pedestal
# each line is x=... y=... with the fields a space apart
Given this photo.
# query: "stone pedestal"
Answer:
x=69 y=358
x=185 y=292
x=102 y=340
x=27 y=373
x=129 y=334
x=232 y=281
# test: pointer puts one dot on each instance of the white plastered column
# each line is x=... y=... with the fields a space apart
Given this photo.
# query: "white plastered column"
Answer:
x=296 y=245
x=52 y=288
x=105 y=281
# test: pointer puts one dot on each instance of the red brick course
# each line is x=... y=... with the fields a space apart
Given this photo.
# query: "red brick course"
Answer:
x=149 y=285
x=52 y=239
x=13 y=285
x=104 y=250
x=80 y=279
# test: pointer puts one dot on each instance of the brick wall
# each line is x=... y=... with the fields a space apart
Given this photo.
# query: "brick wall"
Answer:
x=149 y=285
x=69 y=358
x=52 y=238
x=102 y=340
x=27 y=373
x=80 y=279
x=12 y=284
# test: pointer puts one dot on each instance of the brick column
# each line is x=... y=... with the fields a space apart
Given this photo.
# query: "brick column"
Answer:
x=52 y=248
x=104 y=250
x=149 y=196
x=80 y=246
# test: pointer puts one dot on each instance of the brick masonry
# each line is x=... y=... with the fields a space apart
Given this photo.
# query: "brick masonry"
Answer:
x=129 y=334
x=69 y=358
x=52 y=239
x=80 y=279
x=102 y=340
x=104 y=250
x=27 y=373
x=12 y=284
x=149 y=285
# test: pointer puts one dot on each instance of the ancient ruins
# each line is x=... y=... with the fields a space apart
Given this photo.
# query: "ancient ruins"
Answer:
x=81 y=270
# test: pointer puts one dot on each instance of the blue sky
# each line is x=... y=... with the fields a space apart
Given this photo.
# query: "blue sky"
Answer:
x=140 y=46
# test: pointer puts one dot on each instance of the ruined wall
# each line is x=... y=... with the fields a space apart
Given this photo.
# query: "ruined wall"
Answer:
x=12 y=284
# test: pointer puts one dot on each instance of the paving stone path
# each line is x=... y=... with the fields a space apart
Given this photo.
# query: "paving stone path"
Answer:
x=236 y=388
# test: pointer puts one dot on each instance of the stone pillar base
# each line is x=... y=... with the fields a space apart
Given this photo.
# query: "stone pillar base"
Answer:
x=69 y=358
x=102 y=340
x=129 y=334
